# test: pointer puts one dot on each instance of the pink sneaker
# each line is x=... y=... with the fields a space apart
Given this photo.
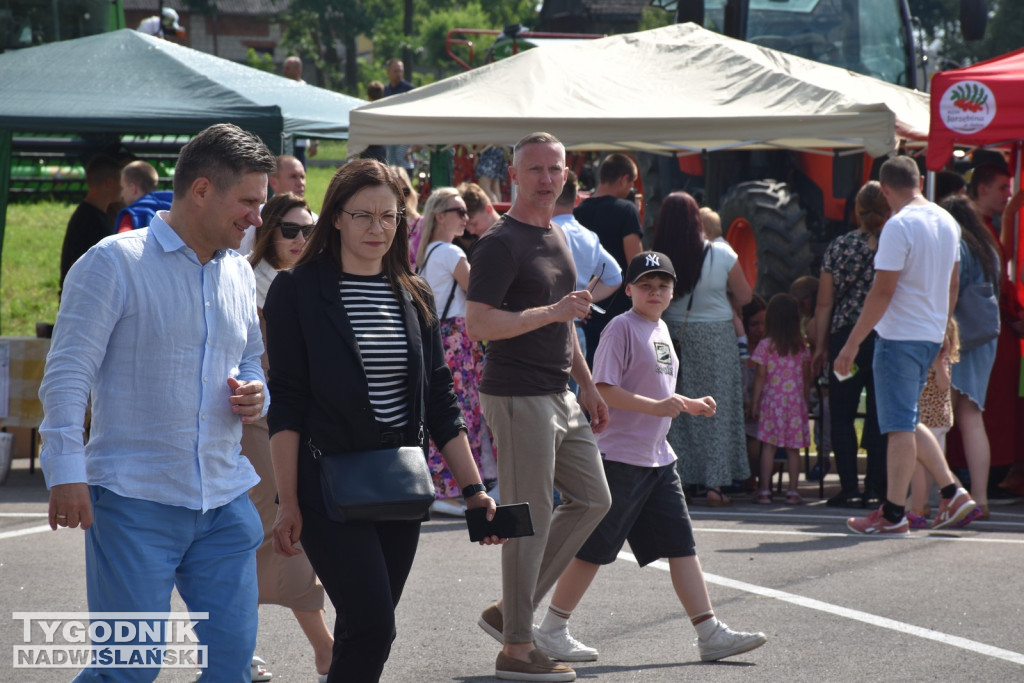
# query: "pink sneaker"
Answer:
x=954 y=510
x=974 y=514
x=917 y=521
x=877 y=525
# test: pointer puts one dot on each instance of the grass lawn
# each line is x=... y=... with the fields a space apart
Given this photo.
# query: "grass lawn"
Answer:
x=31 y=265
x=31 y=252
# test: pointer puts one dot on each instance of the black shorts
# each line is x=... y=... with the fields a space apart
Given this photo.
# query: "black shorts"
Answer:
x=648 y=509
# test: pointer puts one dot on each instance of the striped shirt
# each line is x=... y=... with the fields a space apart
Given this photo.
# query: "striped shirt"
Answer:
x=377 y=321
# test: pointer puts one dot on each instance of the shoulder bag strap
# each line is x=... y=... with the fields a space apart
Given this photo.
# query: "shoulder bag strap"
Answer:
x=451 y=294
x=451 y=297
x=689 y=304
x=423 y=266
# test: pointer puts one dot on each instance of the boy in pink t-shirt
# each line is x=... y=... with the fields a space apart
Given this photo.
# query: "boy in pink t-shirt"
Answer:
x=635 y=369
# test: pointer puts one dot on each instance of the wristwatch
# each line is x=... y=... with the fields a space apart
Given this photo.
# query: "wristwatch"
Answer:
x=472 y=490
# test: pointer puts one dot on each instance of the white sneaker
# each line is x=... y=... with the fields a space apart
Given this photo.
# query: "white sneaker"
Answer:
x=444 y=506
x=562 y=646
x=725 y=642
x=259 y=673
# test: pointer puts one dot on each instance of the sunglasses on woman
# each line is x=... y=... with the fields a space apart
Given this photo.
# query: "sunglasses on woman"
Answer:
x=457 y=209
x=290 y=231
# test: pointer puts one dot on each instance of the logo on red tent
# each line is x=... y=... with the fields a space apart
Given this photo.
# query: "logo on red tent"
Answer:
x=967 y=106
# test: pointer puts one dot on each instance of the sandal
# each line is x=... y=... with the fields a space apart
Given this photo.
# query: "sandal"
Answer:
x=793 y=498
x=764 y=498
x=720 y=500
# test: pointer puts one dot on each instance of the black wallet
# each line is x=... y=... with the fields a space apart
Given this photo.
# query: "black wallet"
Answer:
x=510 y=521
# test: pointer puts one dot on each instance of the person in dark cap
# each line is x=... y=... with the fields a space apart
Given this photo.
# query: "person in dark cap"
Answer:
x=635 y=369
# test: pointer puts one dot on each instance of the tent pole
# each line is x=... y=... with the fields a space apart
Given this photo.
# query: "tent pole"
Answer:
x=1015 y=274
x=5 y=185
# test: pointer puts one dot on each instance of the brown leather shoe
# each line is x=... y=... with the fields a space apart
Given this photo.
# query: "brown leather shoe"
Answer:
x=492 y=622
x=539 y=668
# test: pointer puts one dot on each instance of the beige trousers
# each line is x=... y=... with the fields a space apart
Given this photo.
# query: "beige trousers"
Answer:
x=543 y=442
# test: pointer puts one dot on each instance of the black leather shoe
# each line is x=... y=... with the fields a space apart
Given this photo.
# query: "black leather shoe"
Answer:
x=843 y=500
x=873 y=501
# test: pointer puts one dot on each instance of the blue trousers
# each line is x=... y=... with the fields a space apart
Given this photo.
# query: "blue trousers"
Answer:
x=136 y=551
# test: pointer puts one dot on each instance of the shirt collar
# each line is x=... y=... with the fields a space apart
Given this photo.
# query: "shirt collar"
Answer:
x=168 y=239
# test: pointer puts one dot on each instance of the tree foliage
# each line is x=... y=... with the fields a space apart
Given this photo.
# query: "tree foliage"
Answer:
x=315 y=29
x=655 y=17
x=940 y=24
x=435 y=27
x=260 y=60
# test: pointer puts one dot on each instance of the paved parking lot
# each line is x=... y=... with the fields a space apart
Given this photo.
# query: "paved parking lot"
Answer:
x=836 y=607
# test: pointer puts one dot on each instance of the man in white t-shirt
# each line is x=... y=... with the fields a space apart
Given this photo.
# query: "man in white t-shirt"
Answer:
x=913 y=295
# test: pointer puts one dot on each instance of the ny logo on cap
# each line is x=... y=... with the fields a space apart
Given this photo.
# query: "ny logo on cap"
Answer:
x=652 y=260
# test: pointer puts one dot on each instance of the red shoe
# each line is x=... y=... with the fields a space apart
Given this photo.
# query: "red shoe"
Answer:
x=877 y=525
x=953 y=510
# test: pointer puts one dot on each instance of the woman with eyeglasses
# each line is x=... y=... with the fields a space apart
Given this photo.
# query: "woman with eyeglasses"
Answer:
x=445 y=268
x=357 y=364
x=286 y=581
x=412 y=217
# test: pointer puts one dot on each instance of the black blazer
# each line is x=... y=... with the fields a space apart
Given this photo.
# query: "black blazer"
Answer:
x=317 y=381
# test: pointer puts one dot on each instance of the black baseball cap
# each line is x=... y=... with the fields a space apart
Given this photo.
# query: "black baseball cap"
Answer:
x=647 y=262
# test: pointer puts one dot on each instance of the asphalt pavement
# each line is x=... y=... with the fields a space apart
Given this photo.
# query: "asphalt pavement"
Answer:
x=936 y=606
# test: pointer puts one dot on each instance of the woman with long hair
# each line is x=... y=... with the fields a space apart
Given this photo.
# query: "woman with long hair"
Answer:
x=712 y=451
x=357 y=364
x=980 y=264
x=847 y=272
x=445 y=268
x=287 y=581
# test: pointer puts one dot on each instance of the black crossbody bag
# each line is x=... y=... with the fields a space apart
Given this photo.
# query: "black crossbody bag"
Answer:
x=378 y=485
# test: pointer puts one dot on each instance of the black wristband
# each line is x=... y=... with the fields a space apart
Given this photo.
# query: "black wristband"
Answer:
x=472 y=490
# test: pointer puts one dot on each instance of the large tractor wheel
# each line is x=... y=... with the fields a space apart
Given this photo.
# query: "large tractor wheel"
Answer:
x=764 y=223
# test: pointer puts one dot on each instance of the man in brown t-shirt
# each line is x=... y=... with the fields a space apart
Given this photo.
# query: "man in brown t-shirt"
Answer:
x=521 y=300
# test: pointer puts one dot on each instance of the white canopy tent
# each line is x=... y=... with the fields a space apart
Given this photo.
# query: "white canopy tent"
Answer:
x=676 y=89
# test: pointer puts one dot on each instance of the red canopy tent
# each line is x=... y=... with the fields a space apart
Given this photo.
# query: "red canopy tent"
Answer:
x=983 y=105
x=977 y=105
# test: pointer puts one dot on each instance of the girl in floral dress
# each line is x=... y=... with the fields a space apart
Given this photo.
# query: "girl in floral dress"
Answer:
x=781 y=387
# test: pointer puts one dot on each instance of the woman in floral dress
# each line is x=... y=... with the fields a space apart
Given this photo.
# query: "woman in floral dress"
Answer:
x=445 y=268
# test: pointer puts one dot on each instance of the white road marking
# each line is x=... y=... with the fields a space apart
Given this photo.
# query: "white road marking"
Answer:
x=917 y=535
x=24 y=532
x=856 y=615
x=23 y=514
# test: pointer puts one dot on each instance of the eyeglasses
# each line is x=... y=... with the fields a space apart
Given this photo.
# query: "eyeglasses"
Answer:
x=290 y=231
x=364 y=220
x=456 y=209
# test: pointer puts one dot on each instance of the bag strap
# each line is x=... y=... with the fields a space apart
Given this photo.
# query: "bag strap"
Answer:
x=689 y=304
x=451 y=294
x=703 y=257
x=423 y=266
x=451 y=297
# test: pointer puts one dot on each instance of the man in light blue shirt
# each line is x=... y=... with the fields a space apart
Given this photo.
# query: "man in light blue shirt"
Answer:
x=596 y=269
x=159 y=325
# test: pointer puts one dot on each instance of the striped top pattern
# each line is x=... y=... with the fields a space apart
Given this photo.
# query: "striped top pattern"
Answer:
x=376 y=318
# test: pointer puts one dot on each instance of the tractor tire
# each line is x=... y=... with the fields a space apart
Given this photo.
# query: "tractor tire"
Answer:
x=783 y=243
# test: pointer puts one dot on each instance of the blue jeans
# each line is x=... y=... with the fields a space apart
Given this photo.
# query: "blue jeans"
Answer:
x=901 y=370
x=136 y=551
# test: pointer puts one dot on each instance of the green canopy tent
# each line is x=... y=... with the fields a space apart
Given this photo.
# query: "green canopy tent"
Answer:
x=125 y=82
